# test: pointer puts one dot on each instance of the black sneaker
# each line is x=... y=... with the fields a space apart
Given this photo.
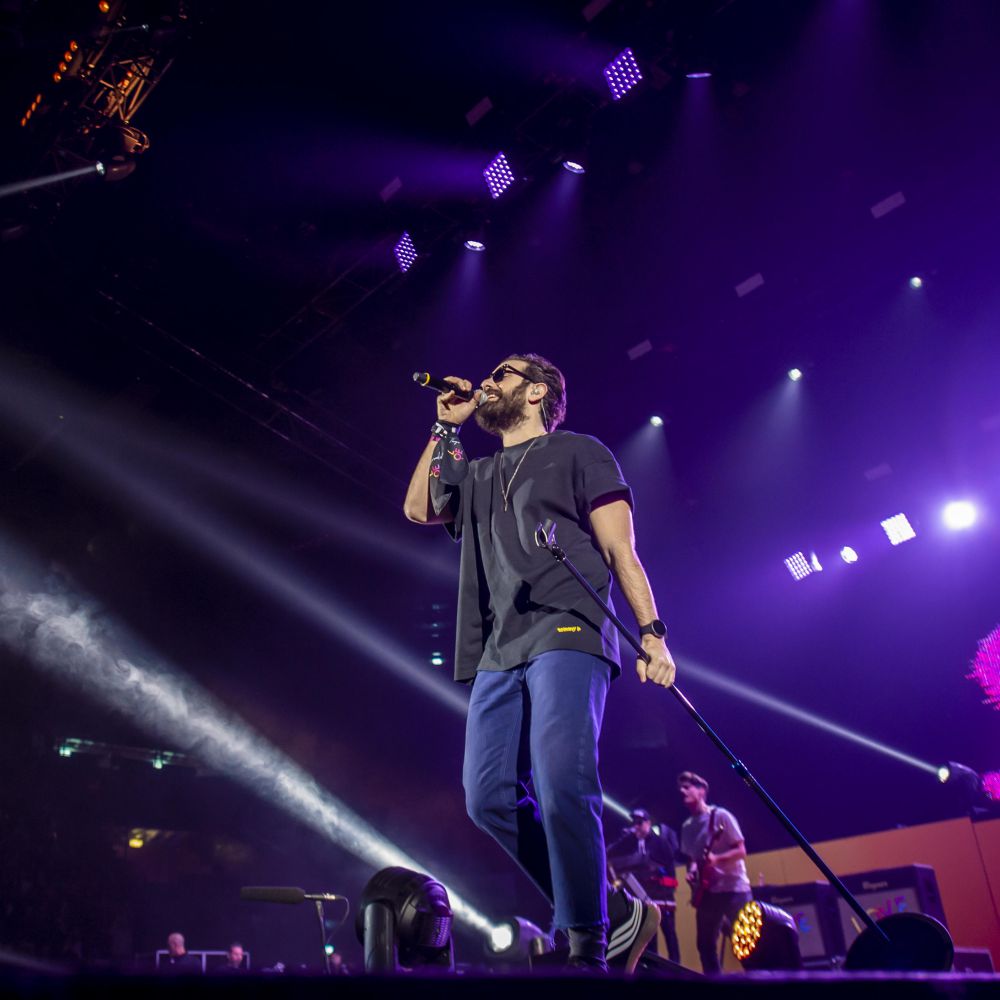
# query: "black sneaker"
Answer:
x=632 y=932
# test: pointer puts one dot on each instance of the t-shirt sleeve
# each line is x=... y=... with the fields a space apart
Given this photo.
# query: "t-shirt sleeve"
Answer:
x=732 y=834
x=598 y=474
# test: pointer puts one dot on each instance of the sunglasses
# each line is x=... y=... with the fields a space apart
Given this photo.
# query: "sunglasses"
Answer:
x=500 y=373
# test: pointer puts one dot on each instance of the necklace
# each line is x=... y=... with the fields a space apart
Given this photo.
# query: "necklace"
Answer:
x=505 y=490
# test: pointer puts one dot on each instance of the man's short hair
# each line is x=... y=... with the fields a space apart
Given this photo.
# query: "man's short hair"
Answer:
x=690 y=778
x=540 y=369
x=639 y=816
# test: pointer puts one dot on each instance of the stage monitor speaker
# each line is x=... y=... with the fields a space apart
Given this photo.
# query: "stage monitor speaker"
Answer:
x=910 y=889
x=813 y=905
x=973 y=960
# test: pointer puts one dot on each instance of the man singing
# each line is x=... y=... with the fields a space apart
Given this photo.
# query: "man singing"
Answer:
x=541 y=655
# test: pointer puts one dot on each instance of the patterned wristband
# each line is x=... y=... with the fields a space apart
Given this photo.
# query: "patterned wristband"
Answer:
x=443 y=429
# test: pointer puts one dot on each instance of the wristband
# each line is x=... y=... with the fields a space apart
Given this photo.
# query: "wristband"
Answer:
x=443 y=429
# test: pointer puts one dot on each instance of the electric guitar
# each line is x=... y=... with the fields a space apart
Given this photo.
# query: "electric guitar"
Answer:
x=699 y=878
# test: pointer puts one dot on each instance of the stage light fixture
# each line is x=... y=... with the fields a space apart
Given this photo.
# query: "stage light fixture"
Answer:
x=765 y=938
x=498 y=175
x=916 y=281
x=817 y=566
x=959 y=515
x=574 y=167
x=848 y=554
x=437 y=660
x=656 y=421
x=517 y=940
x=405 y=252
x=964 y=777
x=404 y=921
x=698 y=74
x=795 y=374
x=478 y=246
x=799 y=566
x=898 y=529
x=622 y=74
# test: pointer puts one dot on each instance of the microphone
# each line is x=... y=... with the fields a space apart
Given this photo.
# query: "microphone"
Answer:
x=284 y=894
x=439 y=385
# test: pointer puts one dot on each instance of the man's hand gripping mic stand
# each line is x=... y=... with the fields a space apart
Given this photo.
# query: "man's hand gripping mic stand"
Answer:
x=545 y=537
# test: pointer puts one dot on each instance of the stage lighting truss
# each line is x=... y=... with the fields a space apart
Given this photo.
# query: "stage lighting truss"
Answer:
x=622 y=74
x=765 y=937
x=498 y=175
x=898 y=529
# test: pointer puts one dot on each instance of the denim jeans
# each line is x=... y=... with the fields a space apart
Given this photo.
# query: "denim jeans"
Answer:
x=714 y=910
x=541 y=721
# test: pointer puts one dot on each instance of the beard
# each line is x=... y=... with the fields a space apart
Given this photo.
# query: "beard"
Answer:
x=497 y=416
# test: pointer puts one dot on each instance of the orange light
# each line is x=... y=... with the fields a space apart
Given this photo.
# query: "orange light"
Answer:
x=67 y=56
x=73 y=46
x=24 y=121
x=104 y=6
x=63 y=67
x=56 y=77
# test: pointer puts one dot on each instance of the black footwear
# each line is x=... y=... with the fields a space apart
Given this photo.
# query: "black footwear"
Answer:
x=587 y=946
x=631 y=932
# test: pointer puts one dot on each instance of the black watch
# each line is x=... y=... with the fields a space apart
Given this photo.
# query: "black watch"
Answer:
x=655 y=627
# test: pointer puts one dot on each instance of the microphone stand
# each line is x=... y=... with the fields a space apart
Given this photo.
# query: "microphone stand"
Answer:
x=545 y=537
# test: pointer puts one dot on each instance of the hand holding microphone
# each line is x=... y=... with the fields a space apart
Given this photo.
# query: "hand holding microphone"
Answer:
x=457 y=400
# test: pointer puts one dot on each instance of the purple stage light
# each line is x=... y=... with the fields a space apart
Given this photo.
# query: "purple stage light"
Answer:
x=622 y=74
x=986 y=667
x=656 y=421
x=991 y=785
x=848 y=554
x=799 y=566
x=959 y=515
x=574 y=167
x=698 y=74
x=898 y=529
x=795 y=374
x=405 y=253
x=498 y=175
x=916 y=281
x=478 y=246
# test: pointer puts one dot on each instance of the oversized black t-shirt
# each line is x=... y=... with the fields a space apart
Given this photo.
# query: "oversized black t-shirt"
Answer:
x=515 y=600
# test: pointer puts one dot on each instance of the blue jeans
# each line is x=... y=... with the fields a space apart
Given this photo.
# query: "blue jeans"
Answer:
x=541 y=721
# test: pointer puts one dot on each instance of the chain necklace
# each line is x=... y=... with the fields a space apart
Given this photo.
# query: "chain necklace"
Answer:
x=505 y=490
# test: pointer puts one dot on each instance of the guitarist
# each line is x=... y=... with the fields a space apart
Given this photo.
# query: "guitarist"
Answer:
x=713 y=843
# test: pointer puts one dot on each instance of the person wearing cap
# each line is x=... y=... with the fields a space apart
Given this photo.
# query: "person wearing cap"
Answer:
x=651 y=856
x=713 y=843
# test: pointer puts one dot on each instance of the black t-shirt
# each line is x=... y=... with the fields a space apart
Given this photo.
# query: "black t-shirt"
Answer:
x=515 y=601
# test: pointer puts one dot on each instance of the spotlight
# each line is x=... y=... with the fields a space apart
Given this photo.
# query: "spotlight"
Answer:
x=698 y=74
x=799 y=566
x=477 y=245
x=498 y=175
x=574 y=167
x=405 y=253
x=916 y=943
x=64 y=750
x=517 y=940
x=328 y=948
x=959 y=515
x=817 y=566
x=404 y=920
x=622 y=74
x=916 y=281
x=898 y=529
x=795 y=374
x=100 y=168
x=765 y=937
x=848 y=555
x=959 y=774
x=437 y=660
x=656 y=421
